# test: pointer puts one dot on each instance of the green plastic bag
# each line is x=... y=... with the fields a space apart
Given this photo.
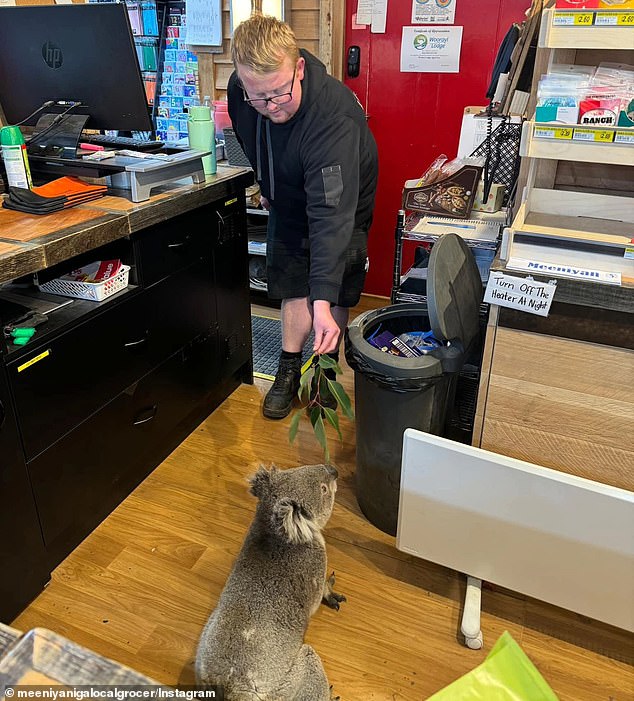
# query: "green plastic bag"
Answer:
x=506 y=675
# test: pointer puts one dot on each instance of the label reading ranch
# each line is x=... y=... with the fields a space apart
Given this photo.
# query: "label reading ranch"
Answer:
x=524 y=294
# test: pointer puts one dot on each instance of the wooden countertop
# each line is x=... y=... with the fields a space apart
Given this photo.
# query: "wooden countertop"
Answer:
x=29 y=243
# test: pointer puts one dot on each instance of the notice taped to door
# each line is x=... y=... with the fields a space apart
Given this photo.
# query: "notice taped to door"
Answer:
x=522 y=293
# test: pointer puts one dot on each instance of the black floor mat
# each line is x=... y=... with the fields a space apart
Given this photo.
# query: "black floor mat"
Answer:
x=267 y=346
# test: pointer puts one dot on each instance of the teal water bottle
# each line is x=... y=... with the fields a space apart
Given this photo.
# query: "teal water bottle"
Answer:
x=15 y=159
x=202 y=133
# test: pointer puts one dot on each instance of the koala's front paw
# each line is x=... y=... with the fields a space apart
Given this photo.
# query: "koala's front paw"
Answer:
x=334 y=698
x=330 y=597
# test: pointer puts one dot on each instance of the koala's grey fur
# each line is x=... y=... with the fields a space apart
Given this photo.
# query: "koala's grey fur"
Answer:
x=253 y=643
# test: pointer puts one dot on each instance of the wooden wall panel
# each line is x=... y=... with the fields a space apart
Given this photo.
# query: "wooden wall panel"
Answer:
x=563 y=404
x=305 y=24
x=304 y=18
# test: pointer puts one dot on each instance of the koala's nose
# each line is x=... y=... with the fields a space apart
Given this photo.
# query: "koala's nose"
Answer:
x=333 y=471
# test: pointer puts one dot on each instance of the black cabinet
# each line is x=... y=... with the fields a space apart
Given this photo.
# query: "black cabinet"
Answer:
x=99 y=400
x=80 y=479
x=23 y=560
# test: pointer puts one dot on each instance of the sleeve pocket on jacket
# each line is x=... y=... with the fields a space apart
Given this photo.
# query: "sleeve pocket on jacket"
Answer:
x=333 y=184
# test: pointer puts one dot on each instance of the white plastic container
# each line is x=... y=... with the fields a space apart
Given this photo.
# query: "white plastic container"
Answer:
x=94 y=291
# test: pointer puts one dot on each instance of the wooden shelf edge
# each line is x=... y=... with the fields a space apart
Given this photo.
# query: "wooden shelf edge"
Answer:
x=593 y=37
x=571 y=150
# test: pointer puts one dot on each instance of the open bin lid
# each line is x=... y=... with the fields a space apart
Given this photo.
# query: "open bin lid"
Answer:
x=454 y=291
x=454 y=294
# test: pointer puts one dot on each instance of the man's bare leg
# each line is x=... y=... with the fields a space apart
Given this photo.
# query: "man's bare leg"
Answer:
x=297 y=322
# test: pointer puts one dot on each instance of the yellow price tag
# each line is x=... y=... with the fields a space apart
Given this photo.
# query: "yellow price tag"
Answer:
x=563 y=133
x=604 y=136
x=584 y=19
x=626 y=18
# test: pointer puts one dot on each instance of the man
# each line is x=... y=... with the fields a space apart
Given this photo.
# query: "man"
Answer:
x=315 y=159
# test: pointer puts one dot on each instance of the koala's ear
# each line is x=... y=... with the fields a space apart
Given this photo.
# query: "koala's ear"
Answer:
x=294 y=522
x=261 y=481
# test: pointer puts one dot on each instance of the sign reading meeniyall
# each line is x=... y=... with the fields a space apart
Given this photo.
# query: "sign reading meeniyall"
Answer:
x=562 y=270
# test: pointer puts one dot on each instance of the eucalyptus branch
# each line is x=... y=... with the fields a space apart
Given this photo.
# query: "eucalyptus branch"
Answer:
x=315 y=389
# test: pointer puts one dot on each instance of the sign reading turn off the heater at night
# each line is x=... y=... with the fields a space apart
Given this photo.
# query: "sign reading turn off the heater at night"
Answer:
x=521 y=293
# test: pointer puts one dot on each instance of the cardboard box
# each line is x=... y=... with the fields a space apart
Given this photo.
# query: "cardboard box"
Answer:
x=450 y=197
x=494 y=200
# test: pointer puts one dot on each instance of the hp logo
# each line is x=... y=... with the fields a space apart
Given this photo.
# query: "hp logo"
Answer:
x=52 y=55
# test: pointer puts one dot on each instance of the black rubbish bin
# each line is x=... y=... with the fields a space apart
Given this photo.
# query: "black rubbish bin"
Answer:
x=394 y=393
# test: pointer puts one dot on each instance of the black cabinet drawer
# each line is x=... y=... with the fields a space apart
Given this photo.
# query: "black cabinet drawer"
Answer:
x=80 y=479
x=23 y=561
x=166 y=248
x=77 y=373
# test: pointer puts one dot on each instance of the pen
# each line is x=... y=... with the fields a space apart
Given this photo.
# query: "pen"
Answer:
x=91 y=147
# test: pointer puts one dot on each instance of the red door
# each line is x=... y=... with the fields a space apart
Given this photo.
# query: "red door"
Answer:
x=417 y=116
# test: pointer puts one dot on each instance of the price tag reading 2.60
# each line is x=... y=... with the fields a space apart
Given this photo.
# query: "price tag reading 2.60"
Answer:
x=584 y=19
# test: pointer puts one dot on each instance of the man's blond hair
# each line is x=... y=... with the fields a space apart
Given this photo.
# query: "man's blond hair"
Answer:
x=261 y=43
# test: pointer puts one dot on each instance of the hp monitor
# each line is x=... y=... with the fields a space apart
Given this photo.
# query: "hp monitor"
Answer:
x=81 y=58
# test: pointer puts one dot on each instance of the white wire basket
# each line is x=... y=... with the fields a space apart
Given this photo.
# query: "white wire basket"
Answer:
x=94 y=291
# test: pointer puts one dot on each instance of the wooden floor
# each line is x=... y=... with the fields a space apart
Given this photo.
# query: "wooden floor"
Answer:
x=141 y=586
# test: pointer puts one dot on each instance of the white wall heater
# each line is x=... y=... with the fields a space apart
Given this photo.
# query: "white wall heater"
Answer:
x=559 y=538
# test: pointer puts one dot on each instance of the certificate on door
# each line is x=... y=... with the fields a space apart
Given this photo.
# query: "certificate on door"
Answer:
x=431 y=49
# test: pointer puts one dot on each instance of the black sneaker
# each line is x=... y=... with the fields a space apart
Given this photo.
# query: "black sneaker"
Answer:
x=279 y=399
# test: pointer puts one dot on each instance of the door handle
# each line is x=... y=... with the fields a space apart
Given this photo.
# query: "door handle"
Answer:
x=149 y=412
x=134 y=344
x=180 y=244
x=354 y=61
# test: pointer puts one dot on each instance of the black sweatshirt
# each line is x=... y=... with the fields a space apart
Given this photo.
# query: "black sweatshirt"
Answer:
x=318 y=170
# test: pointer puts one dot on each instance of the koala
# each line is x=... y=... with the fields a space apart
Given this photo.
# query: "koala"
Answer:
x=253 y=643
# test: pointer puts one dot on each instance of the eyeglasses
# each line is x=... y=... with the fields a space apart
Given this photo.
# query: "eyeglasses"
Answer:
x=281 y=99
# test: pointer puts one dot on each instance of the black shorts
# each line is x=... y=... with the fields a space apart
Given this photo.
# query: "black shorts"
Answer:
x=287 y=271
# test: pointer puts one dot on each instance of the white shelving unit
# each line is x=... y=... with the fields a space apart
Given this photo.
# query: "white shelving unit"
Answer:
x=585 y=227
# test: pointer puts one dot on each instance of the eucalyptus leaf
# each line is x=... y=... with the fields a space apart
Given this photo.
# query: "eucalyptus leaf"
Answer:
x=292 y=432
x=304 y=384
x=320 y=433
x=333 y=419
x=327 y=362
x=315 y=413
x=344 y=400
x=324 y=389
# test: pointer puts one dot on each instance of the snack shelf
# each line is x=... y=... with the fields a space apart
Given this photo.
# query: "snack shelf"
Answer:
x=588 y=29
x=576 y=142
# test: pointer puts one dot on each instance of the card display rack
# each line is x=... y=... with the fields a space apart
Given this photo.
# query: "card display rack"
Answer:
x=178 y=71
x=147 y=20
